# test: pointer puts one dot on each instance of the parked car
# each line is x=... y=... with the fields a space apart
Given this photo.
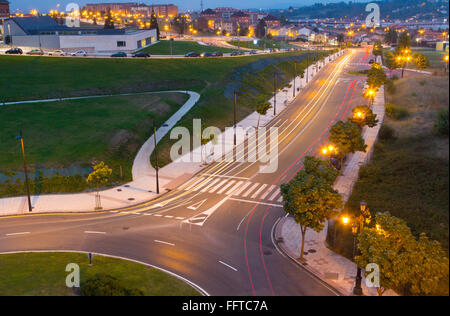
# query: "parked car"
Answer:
x=119 y=54
x=192 y=54
x=205 y=54
x=58 y=52
x=253 y=52
x=80 y=53
x=371 y=61
x=235 y=53
x=14 y=51
x=38 y=52
x=217 y=54
x=142 y=55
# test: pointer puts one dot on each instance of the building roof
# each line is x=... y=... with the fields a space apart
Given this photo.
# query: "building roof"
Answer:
x=240 y=14
x=271 y=18
x=209 y=12
x=4 y=1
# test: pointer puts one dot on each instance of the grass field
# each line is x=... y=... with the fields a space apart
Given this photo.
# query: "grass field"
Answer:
x=435 y=57
x=44 y=274
x=182 y=47
x=268 y=44
x=60 y=134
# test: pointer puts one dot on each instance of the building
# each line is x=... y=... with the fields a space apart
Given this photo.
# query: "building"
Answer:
x=4 y=14
x=161 y=10
x=43 y=32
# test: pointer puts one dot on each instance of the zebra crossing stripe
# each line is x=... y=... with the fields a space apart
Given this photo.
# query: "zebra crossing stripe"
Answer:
x=259 y=191
x=250 y=190
x=275 y=195
x=210 y=185
x=194 y=184
x=270 y=189
x=280 y=199
x=241 y=189
x=226 y=187
x=236 y=186
x=217 y=186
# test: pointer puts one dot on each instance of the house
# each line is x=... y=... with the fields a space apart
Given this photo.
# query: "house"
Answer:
x=4 y=14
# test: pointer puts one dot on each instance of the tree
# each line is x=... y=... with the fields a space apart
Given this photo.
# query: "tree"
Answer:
x=243 y=31
x=262 y=107
x=154 y=24
x=260 y=31
x=340 y=38
x=421 y=61
x=98 y=178
x=391 y=36
x=180 y=24
x=406 y=264
x=109 y=21
x=378 y=49
x=404 y=41
x=390 y=61
x=376 y=76
x=347 y=138
x=363 y=116
x=311 y=200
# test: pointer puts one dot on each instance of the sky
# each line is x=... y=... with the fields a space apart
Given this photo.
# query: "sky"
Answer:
x=45 y=5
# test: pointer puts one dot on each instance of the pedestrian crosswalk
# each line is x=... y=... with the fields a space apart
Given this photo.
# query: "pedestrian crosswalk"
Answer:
x=236 y=188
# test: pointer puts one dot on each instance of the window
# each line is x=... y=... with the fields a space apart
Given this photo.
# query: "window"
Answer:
x=121 y=44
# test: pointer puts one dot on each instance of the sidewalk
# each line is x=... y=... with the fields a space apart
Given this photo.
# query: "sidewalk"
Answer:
x=328 y=265
x=143 y=186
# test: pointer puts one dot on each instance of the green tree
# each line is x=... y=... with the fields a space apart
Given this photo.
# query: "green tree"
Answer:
x=347 y=138
x=99 y=178
x=311 y=200
x=378 y=49
x=260 y=31
x=404 y=41
x=390 y=61
x=180 y=24
x=421 y=61
x=154 y=24
x=391 y=36
x=363 y=116
x=376 y=76
x=412 y=266
x=109 y=21
x=262 y=106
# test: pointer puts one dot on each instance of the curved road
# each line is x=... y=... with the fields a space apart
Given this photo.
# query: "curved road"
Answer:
x=217 y=229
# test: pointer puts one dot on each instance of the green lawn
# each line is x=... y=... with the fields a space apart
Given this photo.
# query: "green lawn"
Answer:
x=182 y=47
x=435 y=58
x=260 y=45
x=60 y=134
x=44 y=274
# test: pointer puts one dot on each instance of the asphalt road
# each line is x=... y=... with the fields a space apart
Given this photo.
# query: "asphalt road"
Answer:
x=217 y=229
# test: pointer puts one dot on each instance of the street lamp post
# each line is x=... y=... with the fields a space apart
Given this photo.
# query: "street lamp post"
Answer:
x=235 y=106
x=446 y=63
x=156 y=159
x=275 y=94
x=295 y=78
x=20 y=138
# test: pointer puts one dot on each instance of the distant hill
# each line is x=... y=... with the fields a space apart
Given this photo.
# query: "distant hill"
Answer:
x=390 y=10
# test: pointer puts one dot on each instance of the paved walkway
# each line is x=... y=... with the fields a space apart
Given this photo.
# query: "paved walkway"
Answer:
x=328 y=265
x=143 y=186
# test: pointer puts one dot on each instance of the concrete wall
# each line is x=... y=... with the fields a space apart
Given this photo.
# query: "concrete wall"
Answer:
x=43 y=41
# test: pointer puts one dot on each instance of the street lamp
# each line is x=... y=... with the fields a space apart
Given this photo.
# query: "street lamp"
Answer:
x=446 y=62
x=20 y=138
x=357 y=226
x=328 y=151
x=156 y=155
x=275 y=94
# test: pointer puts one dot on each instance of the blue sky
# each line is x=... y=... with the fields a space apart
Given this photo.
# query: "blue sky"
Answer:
x=45 y=5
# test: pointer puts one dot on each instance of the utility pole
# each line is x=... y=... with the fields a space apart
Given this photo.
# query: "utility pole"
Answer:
x=295 y=77
x=275 y=94
x=20 y=137
x=156 y=159
x=235 y=105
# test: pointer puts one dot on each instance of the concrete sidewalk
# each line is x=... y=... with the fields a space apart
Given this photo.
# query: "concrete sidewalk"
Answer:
x=331 y=267
x=143 y=186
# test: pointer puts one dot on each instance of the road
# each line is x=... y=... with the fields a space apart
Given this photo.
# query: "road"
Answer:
x=216 y=229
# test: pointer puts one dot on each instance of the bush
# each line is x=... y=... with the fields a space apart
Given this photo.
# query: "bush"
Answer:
x=396 y=112
x=441 y=125
x=386 y=133
x=105 y=285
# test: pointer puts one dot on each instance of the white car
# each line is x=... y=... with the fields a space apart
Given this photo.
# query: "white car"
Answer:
x=80 y=53
x=57 y=53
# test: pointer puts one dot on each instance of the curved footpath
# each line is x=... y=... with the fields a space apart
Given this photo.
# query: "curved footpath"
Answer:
x=143 y=187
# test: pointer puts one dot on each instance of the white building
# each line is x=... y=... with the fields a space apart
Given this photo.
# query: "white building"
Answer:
x=43 y=32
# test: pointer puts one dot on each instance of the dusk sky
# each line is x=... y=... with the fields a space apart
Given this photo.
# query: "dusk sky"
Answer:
x=45 y=5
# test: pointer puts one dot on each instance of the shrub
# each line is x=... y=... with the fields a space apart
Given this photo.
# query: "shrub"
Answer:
x=396 y=112
x=441 y=125
x=386 y=133
x=105 y=285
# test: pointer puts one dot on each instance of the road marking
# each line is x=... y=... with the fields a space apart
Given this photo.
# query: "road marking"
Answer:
x=194 y=184
x=259 y=191
x=145 y=214
x=15 y=234
x=250 y=190
x=217 y=186
x=240 y=223
x=210 y=185
x=158 y=215
x=201 y=185
x=164 y=242
x=179 y=218
x=226 y=187
x=270 y=189
x=241 y=189
x=94 y=232
x=229 y=177
x=275 y=195
x=280 y=199
x=256 y=202
x=227 y=265
x=168 y=216
x=196 y=205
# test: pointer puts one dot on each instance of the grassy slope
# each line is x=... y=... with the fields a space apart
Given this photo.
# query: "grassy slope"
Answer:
x=43 y=274
x=435 y=58
x=409 y=176
x=58 y=134
x=269 y=44
x=183 y=47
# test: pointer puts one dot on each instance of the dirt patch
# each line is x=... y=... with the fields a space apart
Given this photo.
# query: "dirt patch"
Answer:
x=120 y=138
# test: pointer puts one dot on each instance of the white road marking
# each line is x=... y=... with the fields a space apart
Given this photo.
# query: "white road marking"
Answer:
x=158 y=215
x=226 y=187
x=94 y=232
x=201 y=185
x=250 y=190
x=270 y=189
x=256 y=202
x=217 y=186
x=227 y=265
x=179 y=218
x=15 y=234
x=196 y=205
x=275 y=195
x=168 y=216
x=229 y=177
x=210 y=185
x=164 y=242
x=194 y=184
x=241 y=189
x=280 y=199
x=255 y=195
